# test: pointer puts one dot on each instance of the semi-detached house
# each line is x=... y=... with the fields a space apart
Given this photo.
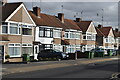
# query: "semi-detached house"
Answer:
x=48 y=31
x=72 y=38
x=16 y=31
x=55 y=32
x=89 y=34
x=108 y=39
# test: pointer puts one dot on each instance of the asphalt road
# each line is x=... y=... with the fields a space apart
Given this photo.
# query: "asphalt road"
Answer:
x=96 y=70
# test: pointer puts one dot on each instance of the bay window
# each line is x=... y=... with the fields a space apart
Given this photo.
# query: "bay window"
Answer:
x=26 y=30
x=4 y=27
x=45 y=32
x=57 y=33
x=77 y=35
x=14 y=28
x=27 y=49
x=66 y=34
x=14 y=50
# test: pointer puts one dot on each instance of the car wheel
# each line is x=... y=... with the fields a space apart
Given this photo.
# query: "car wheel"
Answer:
x=58 y=58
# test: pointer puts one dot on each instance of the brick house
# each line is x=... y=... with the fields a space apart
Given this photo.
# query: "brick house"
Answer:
x=99 y=38
x=48 y=32
x=72 y=34
x=108 y=40
x=89 y=34
x=16 y=31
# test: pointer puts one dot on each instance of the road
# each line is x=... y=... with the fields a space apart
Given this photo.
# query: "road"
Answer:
x=92 y=70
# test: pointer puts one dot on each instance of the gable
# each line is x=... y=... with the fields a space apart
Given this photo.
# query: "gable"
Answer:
x=21 y=15
x=91 y=28
x=111 y=33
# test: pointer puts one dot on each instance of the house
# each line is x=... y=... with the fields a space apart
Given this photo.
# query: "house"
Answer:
x=89 y=34
x=55 y=32
x=72 y=35
x=16 y=31
x=108 y=41
x=99 y=38
x=48 y=32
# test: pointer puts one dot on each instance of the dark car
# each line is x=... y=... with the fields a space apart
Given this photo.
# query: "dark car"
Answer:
x=50 y=53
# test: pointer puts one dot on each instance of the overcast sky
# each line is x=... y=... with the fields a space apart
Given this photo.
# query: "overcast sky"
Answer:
x=90 y=10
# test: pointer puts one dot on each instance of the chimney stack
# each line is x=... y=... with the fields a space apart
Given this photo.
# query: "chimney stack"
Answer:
x=61 y=17
x=100 y=26
x=4 y=2
x=36 y=11
x=78 y=19
x=116 y=30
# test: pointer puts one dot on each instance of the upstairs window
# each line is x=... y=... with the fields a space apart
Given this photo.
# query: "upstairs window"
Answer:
x=46 y=32
x=4 y=27
x=13 y=28
x=57 y=33
x=26 y=30
x=66 y=34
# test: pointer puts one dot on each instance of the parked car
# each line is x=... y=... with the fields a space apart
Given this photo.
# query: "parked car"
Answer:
x=99 y=50
x=50 y=53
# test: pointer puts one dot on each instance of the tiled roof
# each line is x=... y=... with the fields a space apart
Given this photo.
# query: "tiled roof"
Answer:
x=84 y=25
x=105 y=30
x=47 y=20
x=8 y=9
x=71 y=24
x=99 y=33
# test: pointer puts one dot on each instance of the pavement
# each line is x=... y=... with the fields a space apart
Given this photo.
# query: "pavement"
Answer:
x=45 y=65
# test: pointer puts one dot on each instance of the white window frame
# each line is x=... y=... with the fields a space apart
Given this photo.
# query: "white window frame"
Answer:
x=58 y=35
x=15 y=27
x=14 y=45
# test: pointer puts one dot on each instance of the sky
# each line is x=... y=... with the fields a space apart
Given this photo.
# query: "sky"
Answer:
x=89 y=10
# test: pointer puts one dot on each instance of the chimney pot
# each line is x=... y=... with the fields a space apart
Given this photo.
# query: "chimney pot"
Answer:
x=36 y=11
x=61 y=17
x=100 y=26
x=116 y=30
x=78 y=19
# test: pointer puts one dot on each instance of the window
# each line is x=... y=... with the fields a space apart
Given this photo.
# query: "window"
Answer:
x=77 y=35
x=66 y=35
x=45 y=32
x=13 y=28
x=72 y=35
x=89 y=36
x=70 y=49
x=48 y=32
x=41 y=32
x=58 y=47
x=27 y=49
x=47 y=46
x=84 y=37
x=57 y=33
x=4 y=27
x=14 y=50
x=26 y=31
x=93 y=36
